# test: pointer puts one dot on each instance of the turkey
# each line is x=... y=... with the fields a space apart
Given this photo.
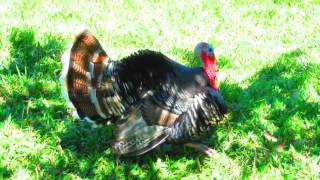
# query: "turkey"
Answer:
x=149 y=97
x=181 y=109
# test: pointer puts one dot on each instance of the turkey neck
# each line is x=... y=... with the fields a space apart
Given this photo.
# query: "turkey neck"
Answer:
x=210 y=68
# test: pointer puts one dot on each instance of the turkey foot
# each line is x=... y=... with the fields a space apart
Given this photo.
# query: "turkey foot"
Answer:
x=202 y=148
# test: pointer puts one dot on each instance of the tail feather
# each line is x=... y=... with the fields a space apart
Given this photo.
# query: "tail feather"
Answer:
x=82 y=65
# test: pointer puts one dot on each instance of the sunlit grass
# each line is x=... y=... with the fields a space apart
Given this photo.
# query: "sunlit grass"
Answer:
x=269 y=73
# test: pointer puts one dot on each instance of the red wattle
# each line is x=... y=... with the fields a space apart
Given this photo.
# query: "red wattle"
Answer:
x=210 y=67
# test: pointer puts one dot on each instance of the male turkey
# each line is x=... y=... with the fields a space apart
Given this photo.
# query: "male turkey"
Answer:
x=182 y=108
x=151 y=98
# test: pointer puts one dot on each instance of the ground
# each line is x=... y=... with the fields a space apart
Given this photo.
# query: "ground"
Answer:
x=268 y=54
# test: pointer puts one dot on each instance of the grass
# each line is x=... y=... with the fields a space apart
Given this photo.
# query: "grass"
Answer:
x=269 y=73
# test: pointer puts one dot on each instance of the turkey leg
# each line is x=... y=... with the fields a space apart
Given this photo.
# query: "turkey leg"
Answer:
x=202 y=148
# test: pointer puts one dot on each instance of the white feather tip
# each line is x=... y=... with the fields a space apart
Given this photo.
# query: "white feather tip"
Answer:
x=65 y=60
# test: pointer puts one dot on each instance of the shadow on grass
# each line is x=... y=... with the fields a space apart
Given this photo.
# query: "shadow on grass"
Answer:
x=5 y=173
x=276 y=101
x=29 y=74
x=32 y=56
x=279 y=89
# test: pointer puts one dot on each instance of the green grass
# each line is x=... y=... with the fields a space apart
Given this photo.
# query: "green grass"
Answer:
x=269 y=57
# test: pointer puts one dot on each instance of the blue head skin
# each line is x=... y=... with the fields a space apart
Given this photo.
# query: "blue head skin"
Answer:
x=203 y=47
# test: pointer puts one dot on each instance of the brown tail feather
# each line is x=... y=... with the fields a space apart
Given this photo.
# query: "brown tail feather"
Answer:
x=80 y=75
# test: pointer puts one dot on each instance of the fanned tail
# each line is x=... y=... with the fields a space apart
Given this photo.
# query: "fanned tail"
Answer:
x=81 y=69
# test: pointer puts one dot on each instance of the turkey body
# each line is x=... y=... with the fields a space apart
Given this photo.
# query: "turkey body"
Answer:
x=149 y=97
x=183 y=108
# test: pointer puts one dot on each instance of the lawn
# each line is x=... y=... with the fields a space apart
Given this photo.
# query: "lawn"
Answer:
x=269 y=58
